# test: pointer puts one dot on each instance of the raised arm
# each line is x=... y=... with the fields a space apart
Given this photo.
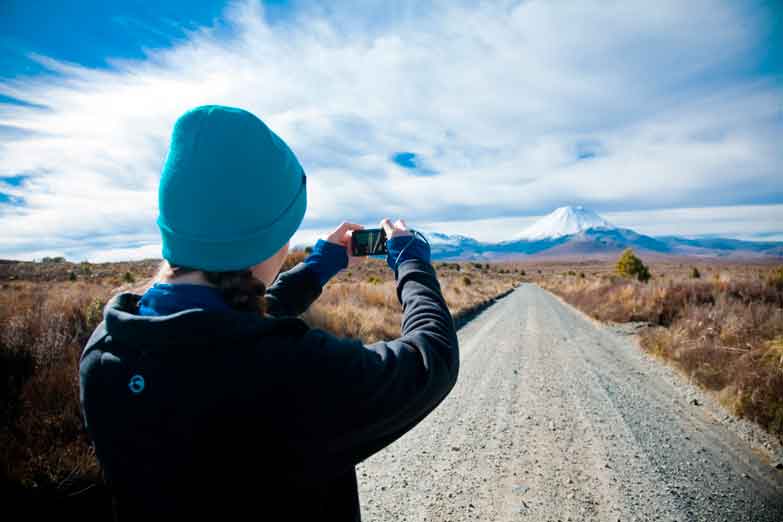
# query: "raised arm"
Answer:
x=369 y=395
x=295 y=290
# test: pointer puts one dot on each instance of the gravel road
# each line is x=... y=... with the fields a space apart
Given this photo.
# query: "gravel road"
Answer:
x=556 y=417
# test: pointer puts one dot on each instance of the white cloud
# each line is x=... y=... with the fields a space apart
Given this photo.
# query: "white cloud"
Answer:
x=496 y=98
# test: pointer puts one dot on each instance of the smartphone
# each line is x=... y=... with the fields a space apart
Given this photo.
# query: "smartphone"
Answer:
x=368 y=242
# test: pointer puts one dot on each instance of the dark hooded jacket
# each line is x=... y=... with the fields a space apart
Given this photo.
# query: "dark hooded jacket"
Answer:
x=226 y=415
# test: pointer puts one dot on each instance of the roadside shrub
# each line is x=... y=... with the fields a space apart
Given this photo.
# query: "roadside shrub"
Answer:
x=695 y=274
x=776 y=278
x=58 y=259
x=373 y=279
x=466 y=280
x=759 y=386
x=128 y=277
x=72 y=275
x=628 y=265
x=85 y=268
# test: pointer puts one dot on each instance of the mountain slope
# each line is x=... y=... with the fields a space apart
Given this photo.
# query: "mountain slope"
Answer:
x=577 y=231
x=564 y=221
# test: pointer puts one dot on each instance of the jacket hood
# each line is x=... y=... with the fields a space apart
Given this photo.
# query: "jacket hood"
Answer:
x=194 y=326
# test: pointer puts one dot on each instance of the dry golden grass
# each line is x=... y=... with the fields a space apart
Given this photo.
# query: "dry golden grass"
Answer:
x=47 y=315
x=361 y=302
x=724 y=329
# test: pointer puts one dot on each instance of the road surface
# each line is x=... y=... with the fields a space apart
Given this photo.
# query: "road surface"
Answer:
x=555 y=418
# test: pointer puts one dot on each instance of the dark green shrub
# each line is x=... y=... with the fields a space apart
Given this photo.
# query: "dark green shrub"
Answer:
x=628 y=265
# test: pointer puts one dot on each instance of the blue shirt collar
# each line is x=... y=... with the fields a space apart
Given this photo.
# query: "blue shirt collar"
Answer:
x=168 y=298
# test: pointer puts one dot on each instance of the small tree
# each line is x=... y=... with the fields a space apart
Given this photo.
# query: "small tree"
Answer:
x=308 y=250
x=695 y=274
x=84 y=266
x=128 y=277
x=629 y=265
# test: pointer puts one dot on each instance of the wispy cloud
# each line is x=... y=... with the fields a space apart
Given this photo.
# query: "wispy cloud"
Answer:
x=501 y=101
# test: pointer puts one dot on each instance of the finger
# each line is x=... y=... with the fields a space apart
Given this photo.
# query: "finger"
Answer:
x=387 y=226
x=400 y=224
x=345 y=226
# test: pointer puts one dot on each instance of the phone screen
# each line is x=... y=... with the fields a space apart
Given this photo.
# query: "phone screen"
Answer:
x=368 y=242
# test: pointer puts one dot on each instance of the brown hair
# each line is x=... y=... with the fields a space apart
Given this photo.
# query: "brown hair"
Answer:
x=240 y=288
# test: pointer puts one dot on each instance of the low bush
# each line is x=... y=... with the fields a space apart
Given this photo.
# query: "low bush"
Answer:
x=776 y=278
x=629 y=265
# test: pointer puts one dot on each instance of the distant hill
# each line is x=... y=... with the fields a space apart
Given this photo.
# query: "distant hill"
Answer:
x=572 y=232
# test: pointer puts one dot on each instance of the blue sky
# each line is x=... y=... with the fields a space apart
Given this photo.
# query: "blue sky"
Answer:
x=461 y=117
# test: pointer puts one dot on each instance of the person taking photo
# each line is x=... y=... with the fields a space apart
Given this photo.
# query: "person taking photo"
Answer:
x=206 y=397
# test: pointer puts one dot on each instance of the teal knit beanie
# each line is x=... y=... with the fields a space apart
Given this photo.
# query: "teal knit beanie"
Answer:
x=231 y=192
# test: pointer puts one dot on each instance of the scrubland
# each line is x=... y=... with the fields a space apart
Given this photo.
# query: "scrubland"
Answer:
x=721 y=324
x=723 y=329
x=49 y=309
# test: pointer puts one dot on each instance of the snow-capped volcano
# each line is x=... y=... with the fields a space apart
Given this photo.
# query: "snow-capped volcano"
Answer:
x=564 y=221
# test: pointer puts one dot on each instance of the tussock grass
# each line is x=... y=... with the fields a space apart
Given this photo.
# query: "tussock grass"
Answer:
x=43 y=327
x=724 y=331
